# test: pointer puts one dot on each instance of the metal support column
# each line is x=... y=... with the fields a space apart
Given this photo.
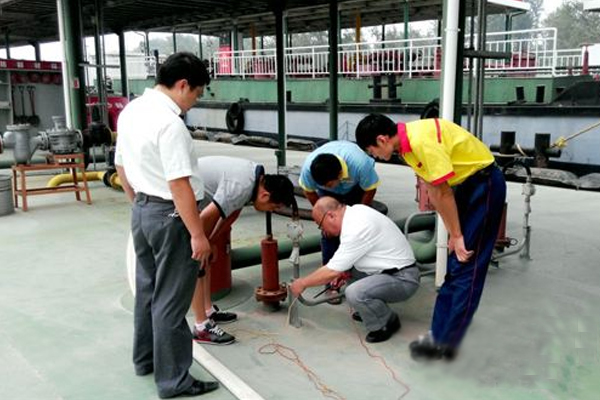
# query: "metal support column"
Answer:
x=123 y=64
x=450 y=35
x=471 y=68
x=253 y=38
x=235 y=46
x=100 y=72
x=333 y=69
x=480 y=71
x=508 y=24
x=358 y=27
x=7 y=43
x=147 y=44
x=74 y=80
x=406 y=19
x=200 y=50
x=36 y=50
x=174 y=41
x=281 y=106
x=460 y=49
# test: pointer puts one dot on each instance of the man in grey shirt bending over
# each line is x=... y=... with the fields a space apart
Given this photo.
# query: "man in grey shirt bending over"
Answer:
x=383 y=261
x=229 y=184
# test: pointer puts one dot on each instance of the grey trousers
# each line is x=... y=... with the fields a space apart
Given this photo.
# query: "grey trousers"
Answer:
x=370 y=294
x=165 y=282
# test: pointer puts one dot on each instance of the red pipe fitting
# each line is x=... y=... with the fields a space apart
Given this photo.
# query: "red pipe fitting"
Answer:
x=271 y=292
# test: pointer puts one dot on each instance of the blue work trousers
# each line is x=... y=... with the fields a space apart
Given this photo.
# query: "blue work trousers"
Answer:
x=480 y=201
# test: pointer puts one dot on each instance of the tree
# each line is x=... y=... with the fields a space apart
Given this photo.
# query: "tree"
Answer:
x=574 y=25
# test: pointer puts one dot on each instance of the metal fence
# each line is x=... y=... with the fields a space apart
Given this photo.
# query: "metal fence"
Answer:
x=139 y=66
x=532 y=52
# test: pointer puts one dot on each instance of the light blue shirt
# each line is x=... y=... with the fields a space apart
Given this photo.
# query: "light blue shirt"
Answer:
x=357 y=168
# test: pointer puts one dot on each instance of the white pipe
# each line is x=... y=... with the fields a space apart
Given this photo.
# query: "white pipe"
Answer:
x=64 y=66
x=449 y=56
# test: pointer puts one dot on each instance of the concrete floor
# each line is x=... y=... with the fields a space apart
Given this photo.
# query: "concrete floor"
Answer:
x=66 y=321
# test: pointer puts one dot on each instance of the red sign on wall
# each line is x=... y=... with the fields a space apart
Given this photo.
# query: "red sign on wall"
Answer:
x=28 y=65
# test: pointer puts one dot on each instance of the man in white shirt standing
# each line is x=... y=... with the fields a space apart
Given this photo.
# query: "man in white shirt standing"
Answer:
x=384 y=264
x=157 y=165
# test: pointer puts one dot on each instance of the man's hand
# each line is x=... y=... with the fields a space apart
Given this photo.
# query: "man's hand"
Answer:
x=297 y=287
x=201 y=250
x=340 y=281
x=457 y=245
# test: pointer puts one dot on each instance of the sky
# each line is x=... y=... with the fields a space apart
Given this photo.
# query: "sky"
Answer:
x=52 y=51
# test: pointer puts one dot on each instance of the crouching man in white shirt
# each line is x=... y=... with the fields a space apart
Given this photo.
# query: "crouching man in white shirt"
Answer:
x=381 y=259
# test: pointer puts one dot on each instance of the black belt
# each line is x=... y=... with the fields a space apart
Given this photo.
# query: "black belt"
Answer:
x=392 y=271
x=485 y=171
x=143 y=197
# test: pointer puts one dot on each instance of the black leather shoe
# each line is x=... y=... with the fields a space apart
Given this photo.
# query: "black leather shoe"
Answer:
x=428 y=350
x=198 y=388
x=424 y=350
x=356 y=316
x=386 y=332
x=449 y=353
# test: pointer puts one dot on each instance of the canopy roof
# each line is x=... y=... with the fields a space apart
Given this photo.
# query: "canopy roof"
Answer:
x=29 y=21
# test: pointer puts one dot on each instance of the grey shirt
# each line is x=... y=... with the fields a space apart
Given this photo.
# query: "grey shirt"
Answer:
x=229 y=182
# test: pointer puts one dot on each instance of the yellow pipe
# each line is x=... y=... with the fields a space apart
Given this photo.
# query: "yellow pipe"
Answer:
x=115 y=181
x=60 y=179
x=113 y=137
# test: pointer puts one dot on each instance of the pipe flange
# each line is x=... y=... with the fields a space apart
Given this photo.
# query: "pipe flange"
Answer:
x=271 y=296
x=79 y=138
x=44 y=140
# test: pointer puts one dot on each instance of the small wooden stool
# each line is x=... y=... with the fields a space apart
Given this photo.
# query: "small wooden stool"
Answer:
x=70 y=162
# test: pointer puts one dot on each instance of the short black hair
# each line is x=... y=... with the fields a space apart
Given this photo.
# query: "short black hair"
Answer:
x=372 y=126
x=326 y=167
x=280 y=188
x=182 y=66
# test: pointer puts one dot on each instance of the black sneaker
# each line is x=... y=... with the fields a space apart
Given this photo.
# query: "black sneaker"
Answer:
x=222 y=317
x=212 y=334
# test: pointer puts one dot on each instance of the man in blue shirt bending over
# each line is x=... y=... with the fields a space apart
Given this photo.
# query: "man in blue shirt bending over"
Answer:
x=339 y=169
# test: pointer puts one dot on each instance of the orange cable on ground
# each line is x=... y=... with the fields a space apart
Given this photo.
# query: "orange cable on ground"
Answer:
x=291 y=355
x=382 y=361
